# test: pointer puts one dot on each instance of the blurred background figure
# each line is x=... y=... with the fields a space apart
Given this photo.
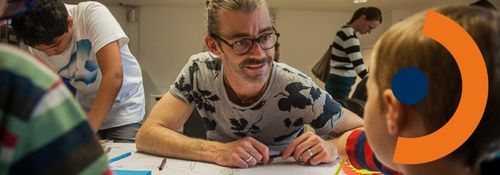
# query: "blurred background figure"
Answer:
x=483 y=3
x=42 y=128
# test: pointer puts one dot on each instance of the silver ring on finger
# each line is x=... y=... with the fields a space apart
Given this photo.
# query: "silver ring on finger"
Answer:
x=310 y=152
x=250 y=157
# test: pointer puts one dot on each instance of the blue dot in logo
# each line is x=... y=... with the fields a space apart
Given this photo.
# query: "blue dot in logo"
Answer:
x=410 y=85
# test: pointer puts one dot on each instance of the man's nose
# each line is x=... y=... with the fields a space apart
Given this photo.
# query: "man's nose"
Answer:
x=257 y=51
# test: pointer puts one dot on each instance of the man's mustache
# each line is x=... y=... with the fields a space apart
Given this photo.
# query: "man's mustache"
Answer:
x=255 y=61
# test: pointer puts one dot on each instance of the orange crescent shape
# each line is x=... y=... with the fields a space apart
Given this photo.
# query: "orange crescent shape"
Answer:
x=472 y=103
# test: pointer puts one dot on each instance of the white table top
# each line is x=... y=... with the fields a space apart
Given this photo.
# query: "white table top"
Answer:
x=141 y=161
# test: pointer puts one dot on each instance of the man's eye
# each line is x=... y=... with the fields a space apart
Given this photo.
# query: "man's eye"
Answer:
x=265 y=37
x=241 y=43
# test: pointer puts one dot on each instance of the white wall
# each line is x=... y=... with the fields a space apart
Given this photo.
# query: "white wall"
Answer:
x=163 y=38
x=168 y=36
x=130 y=28
x=305 y=35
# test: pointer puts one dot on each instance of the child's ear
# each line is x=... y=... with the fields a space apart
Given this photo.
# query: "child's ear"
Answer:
x=395 y=113
x=211 y=44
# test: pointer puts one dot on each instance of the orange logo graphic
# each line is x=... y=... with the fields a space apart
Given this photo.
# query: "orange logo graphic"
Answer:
x=472 y=103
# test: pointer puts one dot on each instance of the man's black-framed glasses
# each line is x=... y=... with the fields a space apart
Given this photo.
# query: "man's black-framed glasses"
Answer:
x=243 y=46
x=16 y=8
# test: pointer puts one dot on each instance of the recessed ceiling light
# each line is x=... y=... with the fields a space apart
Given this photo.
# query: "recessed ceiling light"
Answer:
x=359 y=1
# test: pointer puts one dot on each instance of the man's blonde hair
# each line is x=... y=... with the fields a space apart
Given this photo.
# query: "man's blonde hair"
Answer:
x=214 y=6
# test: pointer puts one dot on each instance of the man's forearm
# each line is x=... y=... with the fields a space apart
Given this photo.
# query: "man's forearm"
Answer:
x=159 y=140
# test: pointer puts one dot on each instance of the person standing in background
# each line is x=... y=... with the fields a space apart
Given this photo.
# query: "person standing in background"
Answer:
x=86 y=46
x=42 y=128
x=347 y=60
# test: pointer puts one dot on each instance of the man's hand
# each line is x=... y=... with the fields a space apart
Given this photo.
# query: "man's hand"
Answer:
x=243 y=153
x=309 y=148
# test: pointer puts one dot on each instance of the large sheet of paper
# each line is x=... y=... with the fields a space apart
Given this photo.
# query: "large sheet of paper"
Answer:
x=141 y=161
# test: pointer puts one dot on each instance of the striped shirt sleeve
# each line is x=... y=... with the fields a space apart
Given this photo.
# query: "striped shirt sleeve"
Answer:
x=346 y=49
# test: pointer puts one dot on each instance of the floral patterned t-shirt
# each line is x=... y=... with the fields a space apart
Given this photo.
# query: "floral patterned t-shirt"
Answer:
x=291 y=100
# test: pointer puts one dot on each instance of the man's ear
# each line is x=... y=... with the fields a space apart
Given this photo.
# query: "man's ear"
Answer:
x=211 y=44
x=396 y=113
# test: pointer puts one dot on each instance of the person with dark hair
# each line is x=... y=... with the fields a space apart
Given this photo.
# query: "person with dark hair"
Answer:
x=347 y=61
x=43 y=129
x=86 y=46
x=483 y=3
x=253 y=107
x=387 y=118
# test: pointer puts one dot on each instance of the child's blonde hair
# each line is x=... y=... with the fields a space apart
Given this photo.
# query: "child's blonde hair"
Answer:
x=403 y=45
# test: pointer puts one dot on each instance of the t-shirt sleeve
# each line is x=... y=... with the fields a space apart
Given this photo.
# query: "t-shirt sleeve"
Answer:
x=100 y=25
x=182 y=88
x=327 y=112
x=361 y=156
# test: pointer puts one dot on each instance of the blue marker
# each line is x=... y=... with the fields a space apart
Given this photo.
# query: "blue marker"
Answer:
x=119 y=157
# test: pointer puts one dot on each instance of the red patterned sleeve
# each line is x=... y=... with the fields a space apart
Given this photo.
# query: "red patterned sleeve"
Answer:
x=361 y=156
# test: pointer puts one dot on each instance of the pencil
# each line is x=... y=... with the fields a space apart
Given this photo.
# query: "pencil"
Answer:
x=340 y=167
x=162 y=165
x=120 y=157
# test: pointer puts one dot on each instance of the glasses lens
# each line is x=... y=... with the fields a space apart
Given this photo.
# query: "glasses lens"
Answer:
x=242 y=46
x=268 y=41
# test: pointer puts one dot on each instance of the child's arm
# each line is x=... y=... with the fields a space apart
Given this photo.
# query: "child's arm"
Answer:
x=109 y=60
x=353 y=145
